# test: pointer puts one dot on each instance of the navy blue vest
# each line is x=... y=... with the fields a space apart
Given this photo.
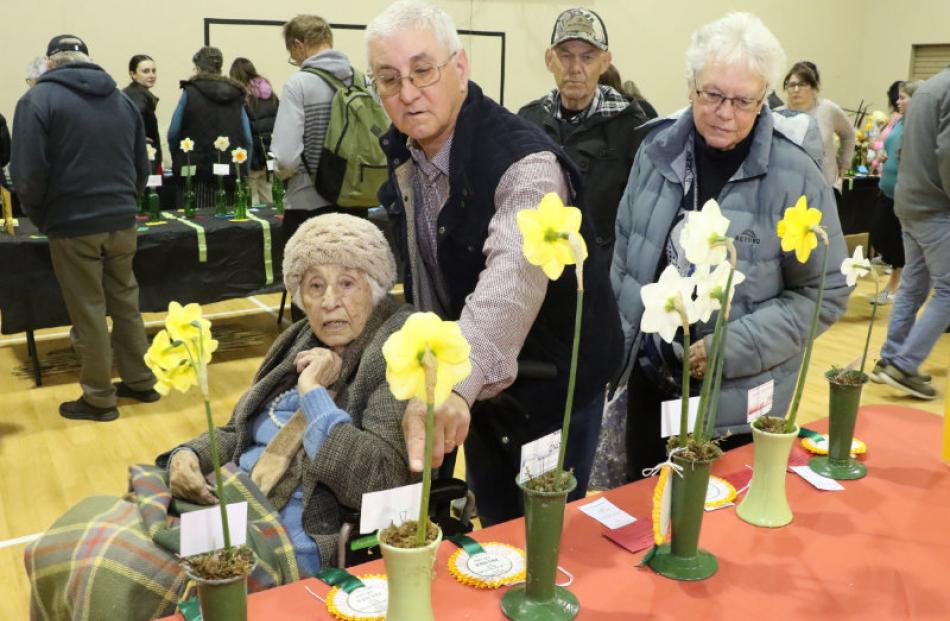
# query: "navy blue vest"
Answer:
x=487 y=141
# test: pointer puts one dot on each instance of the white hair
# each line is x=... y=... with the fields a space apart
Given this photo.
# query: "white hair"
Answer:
x=736 y=39
x=64 y=58
x=36 y=68
x=377 y=291
x=412 y=15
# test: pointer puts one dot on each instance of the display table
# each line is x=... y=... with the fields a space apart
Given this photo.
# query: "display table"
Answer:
x=235 y=259
x=856 y=205
x=878 y=550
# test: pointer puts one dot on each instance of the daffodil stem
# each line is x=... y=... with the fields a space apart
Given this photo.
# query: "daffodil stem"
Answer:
x=867 y=339
x=571 y=380
x=684 y=401
x=806 y=358
x=422 y=524
x=218 y=485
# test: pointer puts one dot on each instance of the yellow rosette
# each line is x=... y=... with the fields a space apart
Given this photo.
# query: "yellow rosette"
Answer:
x=818 y=445
x=365 y=603
x=719 y=493
x=500 y=564
x=662 y=507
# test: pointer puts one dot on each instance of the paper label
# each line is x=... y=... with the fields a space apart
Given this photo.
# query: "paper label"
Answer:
x=820 y=482
x=390 y=506
x=760 y=400
x=607 y=513
x=201 y=530
x=539 y=456
x=365 y=602
x=270 y=164
x=670 y=412
x=487 y=565
x=188 y=171
x=154 y=181
x=222 y=170
x=368 y=600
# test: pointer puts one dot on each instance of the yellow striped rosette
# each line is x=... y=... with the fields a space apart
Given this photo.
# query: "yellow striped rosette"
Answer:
x=662 y=503
x=818 y=444
x=719 y=493
x=365 y=603
x=499 y=564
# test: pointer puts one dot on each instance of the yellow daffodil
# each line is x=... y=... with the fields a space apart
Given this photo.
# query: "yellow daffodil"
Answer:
x=239 y=155
x=152 y=152
x=404 y=349
x=185 y=324
x=170 y=364
x=798 y=229
x=187 y=145
x=222 y=143
x=546 y=230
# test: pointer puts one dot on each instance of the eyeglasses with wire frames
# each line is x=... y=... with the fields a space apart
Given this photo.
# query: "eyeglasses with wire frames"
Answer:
x=714 y=99
x=388 y=82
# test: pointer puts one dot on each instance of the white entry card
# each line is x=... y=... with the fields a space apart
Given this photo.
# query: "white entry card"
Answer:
x=154 y=181
x=222 y=170
x=823 y=483
x=188 y=171
x=607 y=513
x=390 y=506
x=539 y=456
x=270 y=164
x=760 y=400
x=670 y=412
x=201 y=530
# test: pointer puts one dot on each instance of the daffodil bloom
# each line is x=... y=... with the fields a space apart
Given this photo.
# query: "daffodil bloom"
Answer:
x=663 y=303
x=710 y=285
x=170 y=364
x=546 y=231
x=798 y=229
x=703 y=235
x=187 y=145
x=239 y=155
x=185 y=324
x=404 y=349
x=855 y=266
x=222 y=143
x=150 y=150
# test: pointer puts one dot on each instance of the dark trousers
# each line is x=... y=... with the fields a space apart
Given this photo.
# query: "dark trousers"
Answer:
x=493 y=453
x=645 y=447
x=293 y=218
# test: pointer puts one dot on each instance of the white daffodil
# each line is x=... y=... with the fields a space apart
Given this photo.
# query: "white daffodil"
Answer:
x=855 y=266
x=187 y=145
x=152 y=152
x=701 y=234
x=663 y=301
x=222 y=143
x=709 y=287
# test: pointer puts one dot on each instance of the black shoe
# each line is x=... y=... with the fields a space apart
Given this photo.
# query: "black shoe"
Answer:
x=911 y=384
x=80 y=410
x=876 y=375
x=145 y=396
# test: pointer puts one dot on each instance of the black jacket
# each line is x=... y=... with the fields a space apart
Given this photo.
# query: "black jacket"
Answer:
x=4 y=142
x=603 y=148
x=213 y=108
x=79 y=158
x=261 y=113
x=146 y=102
x=487 y=141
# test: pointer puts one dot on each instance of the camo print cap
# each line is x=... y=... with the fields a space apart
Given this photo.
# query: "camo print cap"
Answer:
x=582 y=24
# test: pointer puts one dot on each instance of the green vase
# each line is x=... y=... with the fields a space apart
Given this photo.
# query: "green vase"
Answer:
x=277 y=191
x=682 y=558
x=220 y=199
x=190 y=203
x=843 y=403
x=240 y=200
x=224 y=599
x=140 y=201
x=540 y=599
x=766 y=503
x=409 y=573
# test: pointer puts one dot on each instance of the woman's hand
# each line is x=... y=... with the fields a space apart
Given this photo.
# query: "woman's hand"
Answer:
x=186 y=480
x=317 y=367
x=697 y=359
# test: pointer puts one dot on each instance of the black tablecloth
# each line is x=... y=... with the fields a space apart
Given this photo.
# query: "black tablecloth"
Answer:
x=166 y=265
x=856 y=204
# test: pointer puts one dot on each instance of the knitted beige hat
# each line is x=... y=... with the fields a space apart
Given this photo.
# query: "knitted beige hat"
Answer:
x=341 y=239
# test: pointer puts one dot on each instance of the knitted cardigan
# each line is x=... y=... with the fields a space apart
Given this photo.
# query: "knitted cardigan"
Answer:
x=365 y=456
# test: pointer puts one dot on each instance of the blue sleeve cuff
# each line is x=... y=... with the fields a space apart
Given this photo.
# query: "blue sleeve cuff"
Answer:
x=322 y=416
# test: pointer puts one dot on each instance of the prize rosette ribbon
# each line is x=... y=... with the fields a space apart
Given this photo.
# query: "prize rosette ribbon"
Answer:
x=486 y=565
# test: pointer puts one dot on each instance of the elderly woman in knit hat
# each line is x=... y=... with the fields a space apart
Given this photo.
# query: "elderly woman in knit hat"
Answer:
x=325 y=378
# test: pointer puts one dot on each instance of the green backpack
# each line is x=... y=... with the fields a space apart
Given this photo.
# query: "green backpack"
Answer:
x=352 y=164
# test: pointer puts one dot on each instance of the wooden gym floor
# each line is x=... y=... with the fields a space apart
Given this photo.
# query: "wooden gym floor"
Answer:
x=48 y=463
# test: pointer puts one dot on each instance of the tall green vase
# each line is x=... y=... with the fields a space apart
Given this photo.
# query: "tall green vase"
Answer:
x=766 y=503
x=682 y=558
x=241 y=199
x=540 y=599
x=409 y=573
x=222 y=600
x=843 y=403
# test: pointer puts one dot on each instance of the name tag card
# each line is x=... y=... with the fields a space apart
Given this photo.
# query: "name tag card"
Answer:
x=188 y=171
x=670 y=416
x=270 y=165
x=201 y=530
x=760 y=401
x=823 y=483
x=222 y=170
x=539 y=456
x=607 y=513
x=154 y=181
x=390 y=506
